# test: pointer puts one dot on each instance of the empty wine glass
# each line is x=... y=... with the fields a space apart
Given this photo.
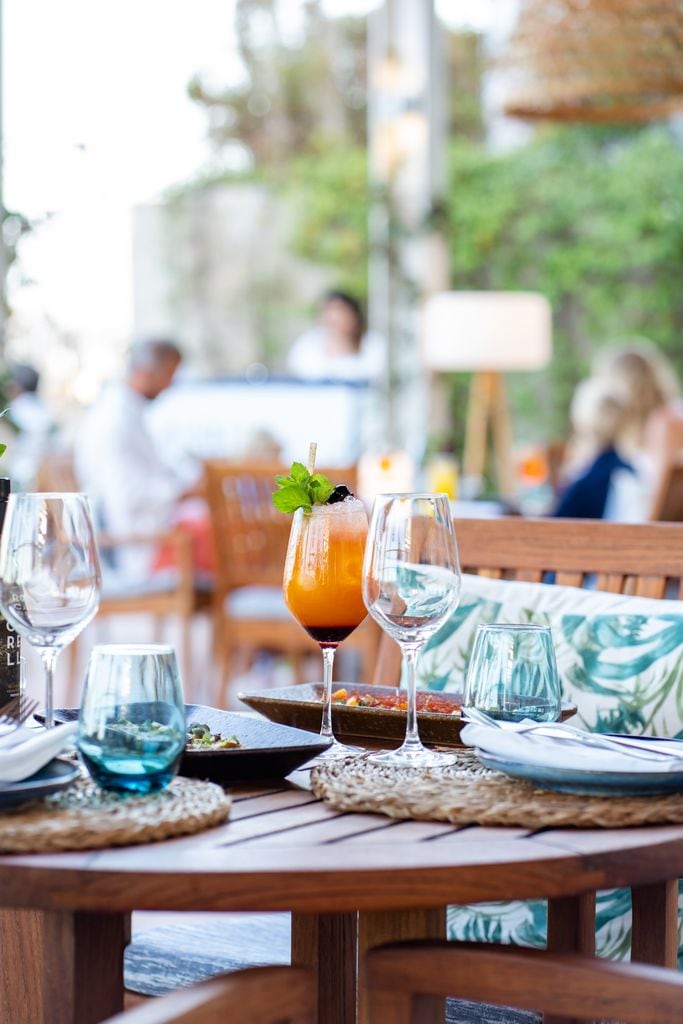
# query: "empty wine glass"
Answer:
x=411 y=585
x=49 y=574
x=512 y=674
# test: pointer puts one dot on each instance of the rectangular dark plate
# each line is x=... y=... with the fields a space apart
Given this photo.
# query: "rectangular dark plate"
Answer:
x=300 y=706
x=268 y=751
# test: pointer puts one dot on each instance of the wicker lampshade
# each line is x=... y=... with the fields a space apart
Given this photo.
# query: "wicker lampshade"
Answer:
x=596 y=60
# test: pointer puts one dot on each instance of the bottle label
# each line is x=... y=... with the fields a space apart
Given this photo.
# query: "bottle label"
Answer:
x=10 y=662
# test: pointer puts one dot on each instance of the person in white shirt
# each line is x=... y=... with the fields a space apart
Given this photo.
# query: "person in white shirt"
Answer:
x=133 y=490
x=339 y=347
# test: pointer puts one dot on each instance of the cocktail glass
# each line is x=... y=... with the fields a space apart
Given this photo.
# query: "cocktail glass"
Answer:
x=323 y=586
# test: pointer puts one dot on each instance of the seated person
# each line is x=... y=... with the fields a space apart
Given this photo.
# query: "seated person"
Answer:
x=653 y=427
x=598 y=416
x=133 y=490
x=339 y=347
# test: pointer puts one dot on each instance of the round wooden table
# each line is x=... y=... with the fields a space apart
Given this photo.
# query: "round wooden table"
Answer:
x=351 y=881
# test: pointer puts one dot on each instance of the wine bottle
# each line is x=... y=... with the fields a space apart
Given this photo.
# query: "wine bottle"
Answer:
x=10 y=641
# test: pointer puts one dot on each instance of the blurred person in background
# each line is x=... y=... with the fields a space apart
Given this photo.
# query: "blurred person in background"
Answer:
x=133 y=490
x=652 y=433
x=599 y=417
x=339 y=347
x=34 y=424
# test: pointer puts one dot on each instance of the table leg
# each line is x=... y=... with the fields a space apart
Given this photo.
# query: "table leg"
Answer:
x=328 y=945
x=654 y=938
x=571 y=929
x=378 y=927
x=60 y=967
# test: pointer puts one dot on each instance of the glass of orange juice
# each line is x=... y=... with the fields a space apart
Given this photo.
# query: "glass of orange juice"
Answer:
x=323 y=585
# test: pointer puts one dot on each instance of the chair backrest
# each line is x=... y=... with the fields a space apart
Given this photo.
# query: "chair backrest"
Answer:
x=402 y=977
x=638 y=559
x=260 y=995
x=251 y=536
x=667 y=505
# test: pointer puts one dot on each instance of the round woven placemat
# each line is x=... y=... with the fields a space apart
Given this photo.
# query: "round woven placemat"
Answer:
x=466 y=793
x=85 y=817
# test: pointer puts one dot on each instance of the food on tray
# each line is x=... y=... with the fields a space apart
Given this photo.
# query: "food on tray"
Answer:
x=200 y=737
x=436 y=703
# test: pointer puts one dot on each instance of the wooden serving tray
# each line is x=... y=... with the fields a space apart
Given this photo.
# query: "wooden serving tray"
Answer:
x=301 y=707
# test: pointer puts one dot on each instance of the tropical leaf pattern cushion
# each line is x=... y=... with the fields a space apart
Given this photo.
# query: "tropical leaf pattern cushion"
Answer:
x=620 y=660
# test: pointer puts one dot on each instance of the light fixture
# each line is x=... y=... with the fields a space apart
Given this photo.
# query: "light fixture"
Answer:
x=487 y=333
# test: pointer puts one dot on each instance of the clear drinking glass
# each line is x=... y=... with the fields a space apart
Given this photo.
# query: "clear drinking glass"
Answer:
x=411 y=585
x=322 y=586
x=49 y=574
x=132 y=719
x=512 y=674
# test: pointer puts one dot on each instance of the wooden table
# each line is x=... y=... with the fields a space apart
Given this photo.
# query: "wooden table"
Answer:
x=351 y=881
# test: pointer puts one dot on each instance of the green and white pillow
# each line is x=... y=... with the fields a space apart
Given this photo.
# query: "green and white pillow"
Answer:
x=620 y=660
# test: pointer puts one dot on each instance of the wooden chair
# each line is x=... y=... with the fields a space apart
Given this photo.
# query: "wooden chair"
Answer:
x=260 y=995
x=638 y=559
x=667 y=496
x=173 y=594
x=250 y=539
x=401 y=978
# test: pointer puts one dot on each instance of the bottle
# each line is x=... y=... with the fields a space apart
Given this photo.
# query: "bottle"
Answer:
x=10 y=641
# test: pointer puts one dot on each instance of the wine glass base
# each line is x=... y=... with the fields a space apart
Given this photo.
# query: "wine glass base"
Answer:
x=339 y=751
x=419 y=757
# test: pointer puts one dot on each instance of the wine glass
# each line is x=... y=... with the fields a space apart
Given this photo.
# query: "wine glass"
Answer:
x=49 y=574
x=411 y=585
x=512 y=674
x=323 y=586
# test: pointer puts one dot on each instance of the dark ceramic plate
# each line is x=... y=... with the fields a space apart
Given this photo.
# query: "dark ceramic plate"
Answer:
x=300 y=706
x=56 y=775
x=268 y=751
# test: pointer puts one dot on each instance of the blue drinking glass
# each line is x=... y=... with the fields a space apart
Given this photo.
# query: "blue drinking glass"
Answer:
x=132 y=719
x=512 y=674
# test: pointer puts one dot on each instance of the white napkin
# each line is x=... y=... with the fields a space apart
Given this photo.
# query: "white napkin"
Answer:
x=547 y=752
x=23 y=759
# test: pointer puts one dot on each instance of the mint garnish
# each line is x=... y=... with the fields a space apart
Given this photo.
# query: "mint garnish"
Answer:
x=301 y=489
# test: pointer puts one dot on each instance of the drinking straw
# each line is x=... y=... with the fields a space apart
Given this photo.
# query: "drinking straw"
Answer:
x=312 y=449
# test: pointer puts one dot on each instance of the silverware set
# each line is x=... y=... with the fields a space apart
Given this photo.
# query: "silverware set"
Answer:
x=637 y=748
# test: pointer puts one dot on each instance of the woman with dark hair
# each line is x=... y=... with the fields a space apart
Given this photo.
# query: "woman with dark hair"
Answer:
x=339 y=347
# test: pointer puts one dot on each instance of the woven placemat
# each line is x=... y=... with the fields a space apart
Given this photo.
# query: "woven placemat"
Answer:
x=466 y=793
x=85 y=817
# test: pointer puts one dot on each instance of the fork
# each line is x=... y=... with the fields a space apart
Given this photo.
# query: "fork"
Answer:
x=556 y=730
x=14 y=715
x=8 y=711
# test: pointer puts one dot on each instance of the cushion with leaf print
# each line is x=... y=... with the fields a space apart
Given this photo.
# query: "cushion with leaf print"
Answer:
x=620 y=660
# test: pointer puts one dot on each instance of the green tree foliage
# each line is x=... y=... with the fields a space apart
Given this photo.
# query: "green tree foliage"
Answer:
x=592 y=219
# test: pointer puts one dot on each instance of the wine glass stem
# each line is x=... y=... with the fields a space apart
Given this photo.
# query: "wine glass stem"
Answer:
x=328 y=664
x=410 y=654
x=49 y=656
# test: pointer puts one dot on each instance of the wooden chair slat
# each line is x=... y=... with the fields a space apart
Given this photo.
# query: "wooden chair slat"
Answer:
x=569 y=579
x=260 y=995
x=569 y=985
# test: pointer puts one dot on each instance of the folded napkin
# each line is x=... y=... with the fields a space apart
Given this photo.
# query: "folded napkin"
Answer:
x=33 y=749
x=546 y=751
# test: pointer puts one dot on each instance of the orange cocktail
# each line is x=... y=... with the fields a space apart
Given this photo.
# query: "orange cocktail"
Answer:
x=324 y=570
x=323 y=583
